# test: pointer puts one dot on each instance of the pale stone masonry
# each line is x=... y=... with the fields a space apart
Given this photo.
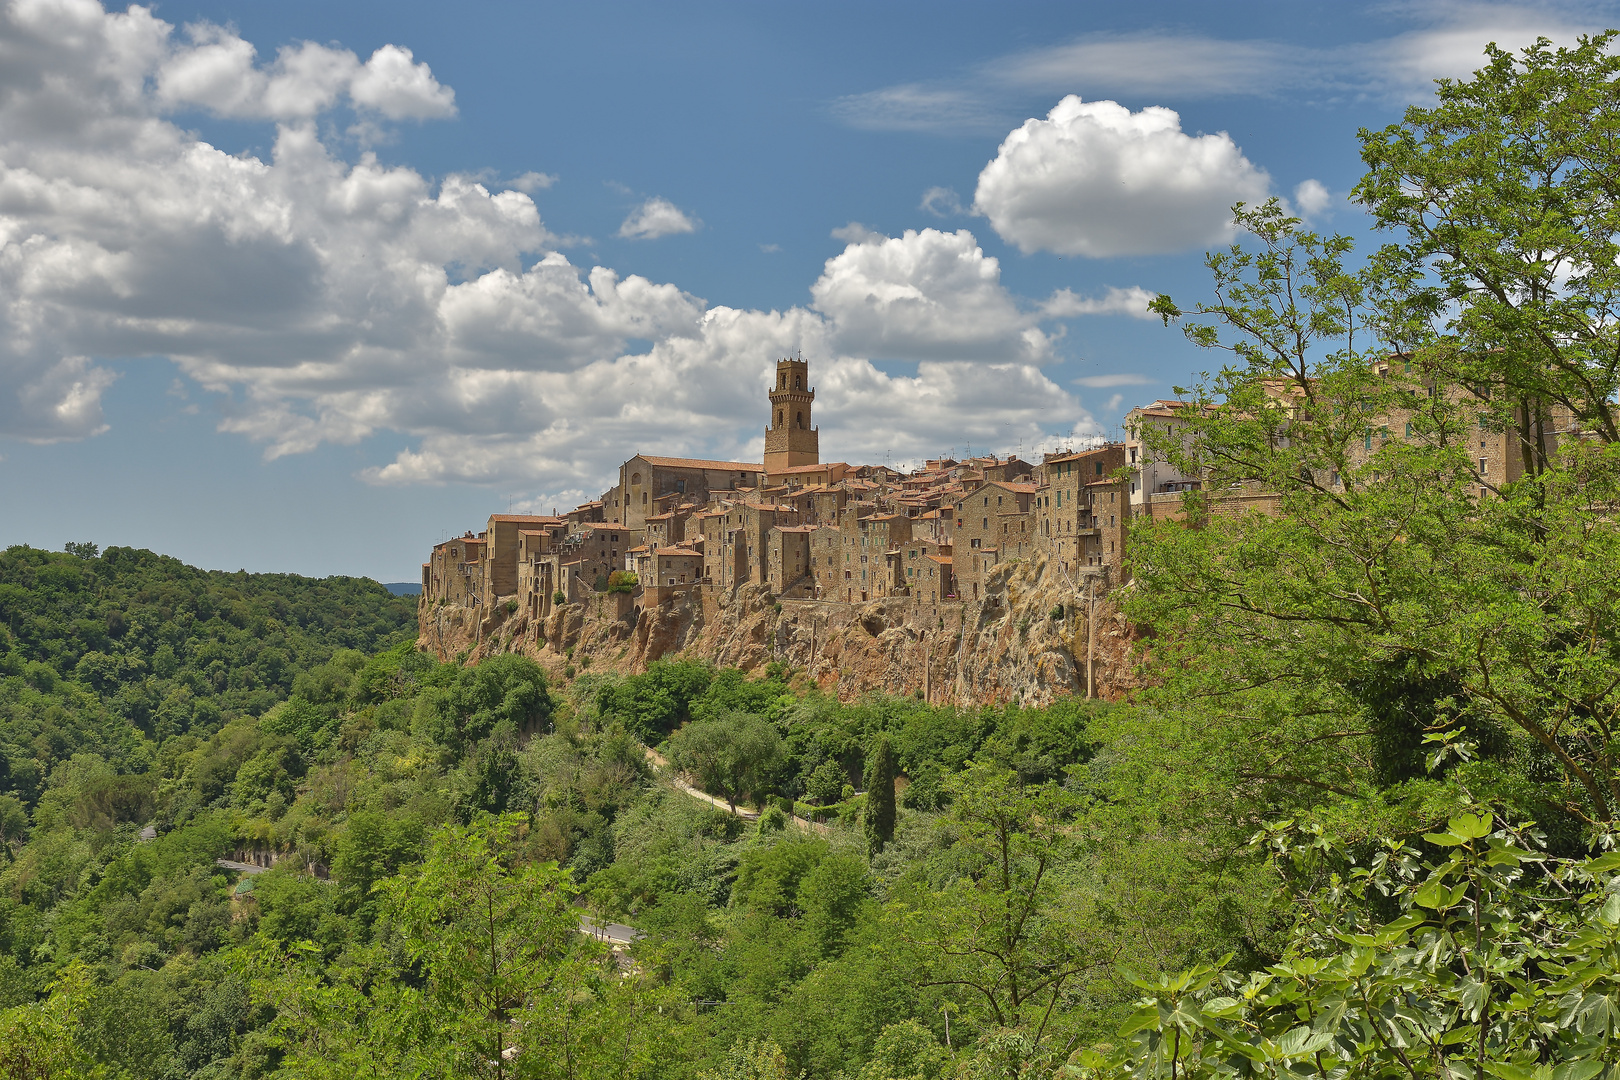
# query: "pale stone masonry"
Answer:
x=834 y=532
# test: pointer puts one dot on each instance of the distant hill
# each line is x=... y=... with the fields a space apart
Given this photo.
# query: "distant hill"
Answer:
x=404 y=588
x=116 y=652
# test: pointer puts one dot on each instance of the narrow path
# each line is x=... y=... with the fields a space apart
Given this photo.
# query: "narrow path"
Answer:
x=241 y=867
x=747 y=815
x=613 y=933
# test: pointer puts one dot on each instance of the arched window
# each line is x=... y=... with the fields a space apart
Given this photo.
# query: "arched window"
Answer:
x=778 y=417
x=797 y=383
x=635 y=478
x=800 y=418
x=643 y=498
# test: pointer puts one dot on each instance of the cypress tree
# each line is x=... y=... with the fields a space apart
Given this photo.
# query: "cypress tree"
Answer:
x=879 y=817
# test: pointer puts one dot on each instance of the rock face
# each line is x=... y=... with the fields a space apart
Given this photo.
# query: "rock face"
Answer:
x=1027 y=642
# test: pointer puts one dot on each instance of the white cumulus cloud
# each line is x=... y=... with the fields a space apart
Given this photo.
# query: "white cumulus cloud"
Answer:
x=925 y=295
x=655 y=218
x=326 y=299
x=1311 y=197
x=218 y=72
x=1094 y=178
x=398 y=87
x=1132 y=301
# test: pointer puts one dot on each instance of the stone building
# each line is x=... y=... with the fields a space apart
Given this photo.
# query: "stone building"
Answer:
x=501 y=551
x=922 y=568
x=826 y=552
x=992 y=523
x=646 y=477
x=792 y=439
x=672 y=566
x=1152 y=474
x=454 y=574
x=598 y=549
x=1102 y=541
x=787 y=560
x=1065 y=519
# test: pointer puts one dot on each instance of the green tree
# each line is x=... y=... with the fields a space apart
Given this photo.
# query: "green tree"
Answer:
x=1007 y=932
x=508 y=688
x=731 y=756
x=878 y=817
x=833 y=897
x=1503 y=962
x=1509 y=221
x=826 y=783
x=488 y=933
x=1270 y=626
x=486 y=938
x=45 y=1038
x=757 y=1059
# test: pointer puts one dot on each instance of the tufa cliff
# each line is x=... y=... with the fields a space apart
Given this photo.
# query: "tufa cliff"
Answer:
x=1027 y=642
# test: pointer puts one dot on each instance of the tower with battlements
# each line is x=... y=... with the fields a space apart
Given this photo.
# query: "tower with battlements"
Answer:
x=792 y=439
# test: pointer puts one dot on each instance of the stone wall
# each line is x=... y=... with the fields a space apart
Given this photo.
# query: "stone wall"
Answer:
x=1027 y=641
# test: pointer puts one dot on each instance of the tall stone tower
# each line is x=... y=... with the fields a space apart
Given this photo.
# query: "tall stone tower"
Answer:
x=791 y=439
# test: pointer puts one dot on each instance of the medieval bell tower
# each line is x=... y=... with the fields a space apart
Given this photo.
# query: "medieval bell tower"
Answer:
x=791 y=439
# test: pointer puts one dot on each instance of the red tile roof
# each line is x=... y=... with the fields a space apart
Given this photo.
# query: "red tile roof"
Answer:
x=701 y=463
x=810 y=468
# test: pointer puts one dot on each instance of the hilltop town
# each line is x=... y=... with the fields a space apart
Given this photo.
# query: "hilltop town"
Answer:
x=680 y=542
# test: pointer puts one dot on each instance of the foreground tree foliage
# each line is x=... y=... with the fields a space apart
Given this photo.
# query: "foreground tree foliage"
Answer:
x=1504 y=961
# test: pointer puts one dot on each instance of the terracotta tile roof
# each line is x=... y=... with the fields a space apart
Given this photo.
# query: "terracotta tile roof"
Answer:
x=943 y=560
x=688 y=552
x=1024 y=489
x=796 y=528
x=810 y=468
x=702 y=463
x=542 y=518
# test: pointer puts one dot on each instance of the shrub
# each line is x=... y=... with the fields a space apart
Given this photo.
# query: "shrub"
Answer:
x=511 y=606
x=826 y=784
x=559 y=598
x=622 y=581
x=1056 y=612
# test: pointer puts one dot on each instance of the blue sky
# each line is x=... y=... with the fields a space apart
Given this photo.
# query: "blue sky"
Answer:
x=308 y=287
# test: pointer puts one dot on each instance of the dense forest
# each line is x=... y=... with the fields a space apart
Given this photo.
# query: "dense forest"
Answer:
x=1358 y=822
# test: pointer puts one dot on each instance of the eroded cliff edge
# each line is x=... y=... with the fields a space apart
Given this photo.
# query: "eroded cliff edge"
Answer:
x=1027 y=642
